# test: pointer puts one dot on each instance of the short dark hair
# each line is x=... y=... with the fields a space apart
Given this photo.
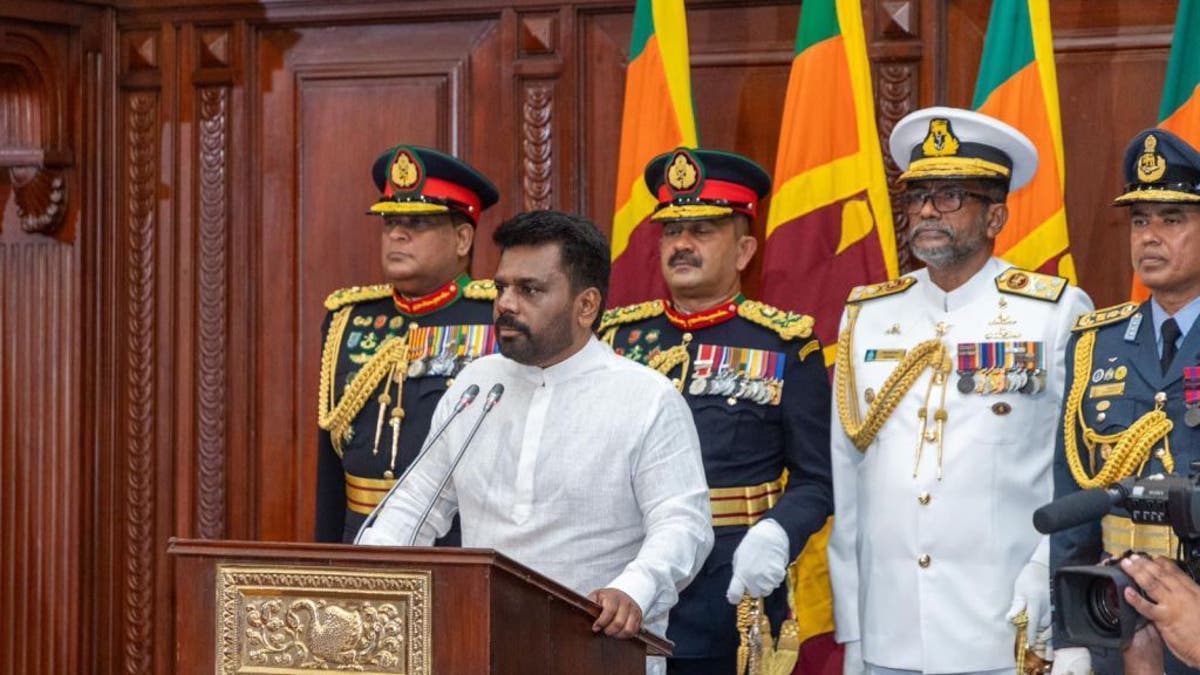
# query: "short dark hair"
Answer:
x=583 y=249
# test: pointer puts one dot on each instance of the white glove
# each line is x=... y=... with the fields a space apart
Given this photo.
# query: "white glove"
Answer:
x=1031 y=593
x=1072 y=661
x=760 y=561
x=852 y=663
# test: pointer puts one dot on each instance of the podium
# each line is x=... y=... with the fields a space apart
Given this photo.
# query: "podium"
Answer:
x=272 y=608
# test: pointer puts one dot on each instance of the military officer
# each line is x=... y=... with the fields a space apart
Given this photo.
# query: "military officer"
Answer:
x=391 y=350
x=1132 y=405
x=755 y=380
x=947 y=387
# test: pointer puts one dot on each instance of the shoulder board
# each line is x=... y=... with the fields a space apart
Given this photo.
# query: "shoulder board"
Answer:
x=354 y=294
x=630 y=313
x=480 y=289
x=1103 y=317
x=789 y=325
x=1035 y=285
x=872 y=291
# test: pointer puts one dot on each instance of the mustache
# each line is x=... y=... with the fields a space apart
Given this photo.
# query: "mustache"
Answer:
x=508 y=321
x=686 y=257
x=932 y=226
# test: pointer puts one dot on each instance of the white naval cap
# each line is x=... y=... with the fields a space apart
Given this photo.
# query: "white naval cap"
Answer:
x=941 y=142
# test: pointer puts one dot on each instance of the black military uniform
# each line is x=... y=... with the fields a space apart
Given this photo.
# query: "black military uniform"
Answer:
x=1127 y=415
x=387 y=359
x=756 y=382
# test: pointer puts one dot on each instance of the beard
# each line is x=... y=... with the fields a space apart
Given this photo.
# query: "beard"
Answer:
x=956 y=248
x=529 y=349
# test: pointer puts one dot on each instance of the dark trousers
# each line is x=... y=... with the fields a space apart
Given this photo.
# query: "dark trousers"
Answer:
x=717 y=666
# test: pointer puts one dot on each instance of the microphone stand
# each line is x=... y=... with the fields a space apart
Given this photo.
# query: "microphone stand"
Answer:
x=464 y=401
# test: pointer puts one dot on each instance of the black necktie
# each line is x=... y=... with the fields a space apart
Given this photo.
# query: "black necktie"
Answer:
x=1170 y=333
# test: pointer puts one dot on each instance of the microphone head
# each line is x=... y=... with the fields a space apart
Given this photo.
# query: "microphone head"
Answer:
x=494 y=394
x=470 y=394
x=1075 y=509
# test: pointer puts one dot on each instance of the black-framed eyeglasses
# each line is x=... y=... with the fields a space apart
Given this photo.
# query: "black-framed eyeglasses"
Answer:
x=945 y=200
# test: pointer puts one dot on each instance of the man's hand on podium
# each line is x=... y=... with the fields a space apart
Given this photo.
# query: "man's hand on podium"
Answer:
x=619 y=616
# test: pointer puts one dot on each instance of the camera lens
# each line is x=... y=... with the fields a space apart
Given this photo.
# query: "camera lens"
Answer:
x=1104 y=605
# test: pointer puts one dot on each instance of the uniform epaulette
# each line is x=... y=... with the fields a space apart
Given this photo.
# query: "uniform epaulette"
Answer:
x=346 y=296
x=789 y=325
x=1103 y=317
x=1017 y=281
x=872 y=291
x=630 y=313
x=480 y=289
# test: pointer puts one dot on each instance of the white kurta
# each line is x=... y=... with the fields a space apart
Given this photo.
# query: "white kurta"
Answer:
x=972 y=529
x=588 y=472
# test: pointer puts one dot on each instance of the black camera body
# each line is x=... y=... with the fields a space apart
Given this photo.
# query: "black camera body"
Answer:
x=1090 y=604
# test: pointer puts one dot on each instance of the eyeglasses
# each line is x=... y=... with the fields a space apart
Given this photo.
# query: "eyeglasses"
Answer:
x=945 y=200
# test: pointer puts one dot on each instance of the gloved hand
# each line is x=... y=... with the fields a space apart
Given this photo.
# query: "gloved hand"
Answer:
x=852 y=663
x=760 y=561
x=1031 y=592
x=1072 y=661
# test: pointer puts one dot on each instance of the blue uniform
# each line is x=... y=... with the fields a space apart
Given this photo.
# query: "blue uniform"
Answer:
x=355 y=465
x=759 y=392
x=1118 y=379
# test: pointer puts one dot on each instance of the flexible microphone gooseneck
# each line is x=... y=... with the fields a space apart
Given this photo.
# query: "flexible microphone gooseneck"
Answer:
x=493 y=398
x=467 y=398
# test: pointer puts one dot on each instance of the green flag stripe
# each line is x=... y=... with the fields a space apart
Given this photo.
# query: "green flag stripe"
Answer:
x=1183 y=70
x=1007 y=48
x=643 y=28
x=818 y=22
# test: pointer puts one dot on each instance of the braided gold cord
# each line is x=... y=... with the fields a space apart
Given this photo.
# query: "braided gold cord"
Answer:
x=325 y=391
x=337 y=420
x=1132 y=446
x=665 y=361
x=861 y=432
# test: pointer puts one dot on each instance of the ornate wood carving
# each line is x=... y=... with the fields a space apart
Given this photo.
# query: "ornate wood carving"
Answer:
x=32 y=139
x=537 y=144
x=212 y=310
x=141 y=181
x=895 y=97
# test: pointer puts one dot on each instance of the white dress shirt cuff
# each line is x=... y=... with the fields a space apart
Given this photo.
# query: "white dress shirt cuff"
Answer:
x=637 y=586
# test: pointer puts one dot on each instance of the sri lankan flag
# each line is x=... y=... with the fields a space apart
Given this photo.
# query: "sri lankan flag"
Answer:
x=1017 y=84
x=657 y=118
x=1179 y=110
x=830 y=223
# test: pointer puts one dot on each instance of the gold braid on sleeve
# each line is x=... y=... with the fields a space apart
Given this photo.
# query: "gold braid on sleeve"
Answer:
x=665 y=361
x=1130 y=448
x=862 y=431
x=336 y=419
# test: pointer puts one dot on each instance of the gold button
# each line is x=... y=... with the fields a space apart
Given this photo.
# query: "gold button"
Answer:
x=1160 y=452
x=1103 y=405
x=869 y=395
x=1001 y=408
x=924 y=560
x=1100 y=417
x=731 y=400
x=449 y=382
x=675 y=381
x=1160 y=398
x=923 y=498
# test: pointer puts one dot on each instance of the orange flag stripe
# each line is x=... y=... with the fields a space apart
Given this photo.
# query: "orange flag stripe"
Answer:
x=815 y=135
x=647 y=119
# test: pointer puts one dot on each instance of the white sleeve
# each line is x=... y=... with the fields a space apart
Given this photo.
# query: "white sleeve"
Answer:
x=843 y=540
x=669 y=482
x=400 y=513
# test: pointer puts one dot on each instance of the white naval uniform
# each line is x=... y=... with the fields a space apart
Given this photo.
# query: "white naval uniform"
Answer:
x=923 y=569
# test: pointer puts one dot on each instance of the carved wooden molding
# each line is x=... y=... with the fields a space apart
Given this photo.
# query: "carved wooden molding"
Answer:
x=895 y=97
x=32 y=144
x=537 y=144
x=140 y=182
x=212 y=279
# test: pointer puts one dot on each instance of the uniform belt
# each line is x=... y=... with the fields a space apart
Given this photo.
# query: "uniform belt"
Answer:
x=743 y=505
x=364 y=494
x=1122 y=534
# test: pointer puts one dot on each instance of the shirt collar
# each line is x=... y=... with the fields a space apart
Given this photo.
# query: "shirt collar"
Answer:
x=976 y=287
x=590 y=358
x=434 y=301
x=1185 y=317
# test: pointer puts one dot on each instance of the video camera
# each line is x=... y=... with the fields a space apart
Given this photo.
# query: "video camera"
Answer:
x=1091 y=609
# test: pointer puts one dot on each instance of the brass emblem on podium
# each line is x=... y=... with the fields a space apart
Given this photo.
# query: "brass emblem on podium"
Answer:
x=294 y=619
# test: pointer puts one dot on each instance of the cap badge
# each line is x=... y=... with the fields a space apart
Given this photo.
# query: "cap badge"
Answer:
x=682 y=172
x=406 y=171
x=940 y=142
x=1150 y=165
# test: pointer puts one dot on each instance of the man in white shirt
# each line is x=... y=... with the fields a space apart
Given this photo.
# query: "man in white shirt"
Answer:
x=589 y=470
x=947 y=393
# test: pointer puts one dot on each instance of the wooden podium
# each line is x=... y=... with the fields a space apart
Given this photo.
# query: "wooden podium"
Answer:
x=274 y=608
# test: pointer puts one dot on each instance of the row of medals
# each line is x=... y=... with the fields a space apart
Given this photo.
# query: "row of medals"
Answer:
x=442 y=364
x=1002 y=381
x=736 y=385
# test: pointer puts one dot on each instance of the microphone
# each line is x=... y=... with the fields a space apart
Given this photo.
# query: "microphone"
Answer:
x=1079 y=508
x=467 y=398
x=493 y=398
